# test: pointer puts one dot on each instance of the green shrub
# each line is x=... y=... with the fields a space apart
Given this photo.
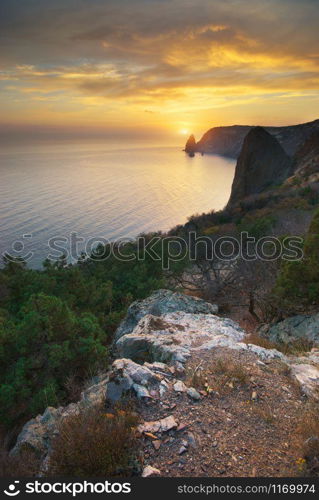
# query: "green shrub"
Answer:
x=310 y=194
x=298 y=281
x=56 y=323
x=47 y=343
x=257 y=227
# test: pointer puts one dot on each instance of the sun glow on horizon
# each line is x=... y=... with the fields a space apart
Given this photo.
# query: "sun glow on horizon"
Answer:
x=184 y=131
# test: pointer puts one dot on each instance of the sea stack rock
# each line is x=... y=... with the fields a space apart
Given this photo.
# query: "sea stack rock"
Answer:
x=190 y=147
x=262 y=163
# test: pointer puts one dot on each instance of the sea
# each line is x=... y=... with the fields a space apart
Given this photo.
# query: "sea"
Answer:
x=53 y=195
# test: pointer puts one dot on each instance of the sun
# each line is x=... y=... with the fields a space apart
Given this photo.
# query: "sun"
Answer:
x=184 y=131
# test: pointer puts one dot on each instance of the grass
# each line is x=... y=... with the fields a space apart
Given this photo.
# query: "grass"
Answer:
x=225 y=373
x=283 y=369
x=96 y=444
x=195 y=377
x=254 y=338
x=264 y=413
x=232 y=370
x=295 y=347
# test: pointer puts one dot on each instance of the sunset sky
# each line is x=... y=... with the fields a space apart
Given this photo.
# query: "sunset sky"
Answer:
x=155 y=69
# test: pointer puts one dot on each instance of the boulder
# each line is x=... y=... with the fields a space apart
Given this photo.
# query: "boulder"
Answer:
x=162 y=302
x=308 y=377
x=295 y=328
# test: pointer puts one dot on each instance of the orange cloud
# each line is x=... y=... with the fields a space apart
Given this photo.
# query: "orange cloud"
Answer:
x=182 y=60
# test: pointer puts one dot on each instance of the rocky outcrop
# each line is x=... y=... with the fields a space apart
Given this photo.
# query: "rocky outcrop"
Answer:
x=228 y=141
x=294 y=328
x=173 y=338
x=38 y=433
x=262 y=163
x=190 y=146
x=306 y=159
x=124 y=377
x=162 y=302
x=307 y=375
x=155 y=346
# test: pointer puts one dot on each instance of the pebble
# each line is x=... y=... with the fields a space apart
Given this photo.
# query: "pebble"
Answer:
x=156 y=444
x=182 y=450
x=181 y=427
x=180 y=386
x=163 y=425
x=149 y=471
x=192 y=393
x=191 y=440
x=260 y=363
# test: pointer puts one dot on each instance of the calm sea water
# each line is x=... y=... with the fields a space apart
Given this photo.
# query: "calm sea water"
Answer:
x=53 y=191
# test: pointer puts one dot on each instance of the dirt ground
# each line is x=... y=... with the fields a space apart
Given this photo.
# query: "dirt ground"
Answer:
x=245 y=424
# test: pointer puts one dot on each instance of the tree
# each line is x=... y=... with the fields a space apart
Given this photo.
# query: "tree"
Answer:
x=298 y=281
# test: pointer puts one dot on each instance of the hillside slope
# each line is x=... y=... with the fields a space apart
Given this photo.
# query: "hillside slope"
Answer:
x=306 y=159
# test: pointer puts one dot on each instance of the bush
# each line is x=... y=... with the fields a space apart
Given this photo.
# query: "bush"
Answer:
x=298 y=281
x=96 y=444
x=56 y=324
x=49 y=340
x=25 y=464
x=257 y=227
x=310 y=194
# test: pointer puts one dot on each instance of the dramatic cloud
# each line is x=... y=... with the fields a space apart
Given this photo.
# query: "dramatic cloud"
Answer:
x=182 y=60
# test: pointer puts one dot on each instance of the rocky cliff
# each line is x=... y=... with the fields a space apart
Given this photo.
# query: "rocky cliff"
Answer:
x=306 y=159
x=201 y=388
x=228 y=141
x=262 y=163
